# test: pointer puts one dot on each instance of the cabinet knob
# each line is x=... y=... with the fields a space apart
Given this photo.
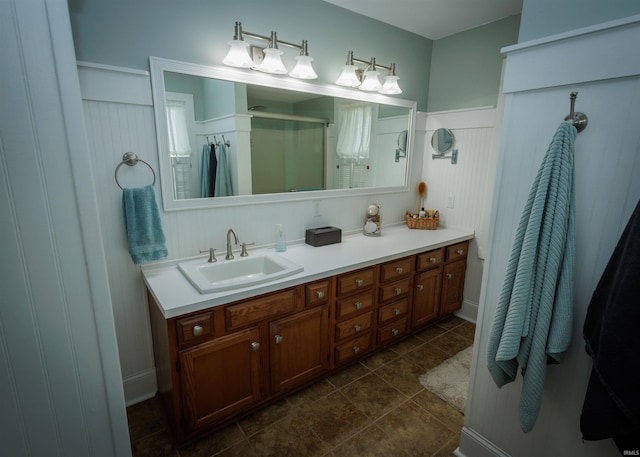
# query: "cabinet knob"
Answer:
x=459 y=251
x=359 y=282
x=255 y=346
x=433 y=259
x=320 y=294
x=397 y=290
x=449 y=276
x=356 y=349
x=197 y=330
x=399 y=270
x=396 y=311
x=357 y=328
x=395 y=332
x=278 y=339
x=420 y=287
x=358 y=305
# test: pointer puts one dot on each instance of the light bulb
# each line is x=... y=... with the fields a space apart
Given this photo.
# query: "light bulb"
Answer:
x=348 y=77
x=371 y=82
x=390 y=85
x=272 y=62
x=303 y=68
x=238 y=55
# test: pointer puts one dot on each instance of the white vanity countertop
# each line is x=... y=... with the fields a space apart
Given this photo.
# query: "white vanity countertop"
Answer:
x=175 y=295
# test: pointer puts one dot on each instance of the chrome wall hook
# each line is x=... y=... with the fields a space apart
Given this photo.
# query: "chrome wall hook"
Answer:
x=579 y=120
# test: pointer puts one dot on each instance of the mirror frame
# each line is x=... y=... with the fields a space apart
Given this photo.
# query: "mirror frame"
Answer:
x=159 y=65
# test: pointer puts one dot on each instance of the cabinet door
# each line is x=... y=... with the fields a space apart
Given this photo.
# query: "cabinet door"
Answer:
x=298 y=348
x=426 y=295
x=220 y=377
x=452 y=287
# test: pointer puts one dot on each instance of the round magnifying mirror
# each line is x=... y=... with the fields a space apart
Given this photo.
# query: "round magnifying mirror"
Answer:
x=442 y=140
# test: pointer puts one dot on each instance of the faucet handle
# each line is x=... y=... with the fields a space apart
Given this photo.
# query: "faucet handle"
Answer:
x=244 y=252
x=212 y=255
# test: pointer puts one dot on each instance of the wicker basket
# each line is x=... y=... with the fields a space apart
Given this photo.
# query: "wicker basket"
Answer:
x=430 y=223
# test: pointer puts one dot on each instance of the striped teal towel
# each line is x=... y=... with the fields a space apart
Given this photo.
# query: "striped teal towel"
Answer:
x=142 y=224
x=532 y=324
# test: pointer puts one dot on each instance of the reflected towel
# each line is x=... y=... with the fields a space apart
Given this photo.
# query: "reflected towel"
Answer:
x=204 y=171
x=532 y=323
x=142 y=225
x=223 y=186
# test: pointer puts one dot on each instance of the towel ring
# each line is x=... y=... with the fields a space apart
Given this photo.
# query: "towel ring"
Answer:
x=131 y=159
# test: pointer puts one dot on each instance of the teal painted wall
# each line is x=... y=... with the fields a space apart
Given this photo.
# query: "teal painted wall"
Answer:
x=126 y=32
x=466 y=67
x=541 y=18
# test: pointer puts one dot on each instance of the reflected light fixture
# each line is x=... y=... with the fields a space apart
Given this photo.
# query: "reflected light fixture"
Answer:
x=238 y=55
x=368 y=79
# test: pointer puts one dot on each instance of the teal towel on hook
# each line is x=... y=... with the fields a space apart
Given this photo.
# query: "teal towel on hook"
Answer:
x=143 y=226
x=223 y=186
x=532 y=323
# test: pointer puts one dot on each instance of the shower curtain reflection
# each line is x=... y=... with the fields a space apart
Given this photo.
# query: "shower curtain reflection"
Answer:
x=287 y=155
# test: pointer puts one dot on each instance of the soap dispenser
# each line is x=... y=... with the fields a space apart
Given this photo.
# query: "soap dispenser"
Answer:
x=281 y=244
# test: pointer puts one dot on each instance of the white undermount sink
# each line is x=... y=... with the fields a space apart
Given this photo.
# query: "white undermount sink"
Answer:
x=236 y=273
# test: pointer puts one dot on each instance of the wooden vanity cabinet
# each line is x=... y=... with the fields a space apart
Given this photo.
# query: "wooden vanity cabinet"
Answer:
x=394 y=300
x=453 y=278
x=426 y=287
x=353 y=321
x=216 y=364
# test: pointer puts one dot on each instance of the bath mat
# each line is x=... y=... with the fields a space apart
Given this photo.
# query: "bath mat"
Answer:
x=450 y=379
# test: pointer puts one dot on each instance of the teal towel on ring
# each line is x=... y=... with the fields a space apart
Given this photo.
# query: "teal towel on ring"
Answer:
x=532 y=323
x=142 y=224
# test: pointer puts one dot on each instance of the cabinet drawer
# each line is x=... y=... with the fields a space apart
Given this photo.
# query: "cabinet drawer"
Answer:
x=353 y=326
x=394 y=290
x=429 y=259
x=252 y=311
x=347 y=306
x=391 y=331
x=396 y=269
x=352 y=349
x=392 y=311
x=316 y=293
x=457 y=251
x=194 y=328
x=351 y=282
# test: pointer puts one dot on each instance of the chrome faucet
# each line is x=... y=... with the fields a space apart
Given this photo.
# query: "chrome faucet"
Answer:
x=229 y=255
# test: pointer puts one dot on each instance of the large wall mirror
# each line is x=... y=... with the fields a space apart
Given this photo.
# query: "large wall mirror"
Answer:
x=229 y=137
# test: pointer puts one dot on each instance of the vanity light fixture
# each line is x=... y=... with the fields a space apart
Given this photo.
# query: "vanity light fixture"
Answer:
x=368 y=79
x=238 y=55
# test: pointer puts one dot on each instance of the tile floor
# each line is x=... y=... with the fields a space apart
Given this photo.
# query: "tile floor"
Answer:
x=374 y=408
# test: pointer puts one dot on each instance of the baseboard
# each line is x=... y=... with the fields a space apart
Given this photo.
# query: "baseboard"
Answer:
x=473 y=444
x=468 y=312
x=140 y=387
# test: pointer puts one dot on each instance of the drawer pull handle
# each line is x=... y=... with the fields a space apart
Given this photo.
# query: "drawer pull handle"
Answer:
x=397 y=290
x=395 y=332
x=359 y=282
x=320 y=294
x=396 y=311
x=197 y=330
x=459 y=251
x=399 y=270
x=420 y=287
x=357 y=328
x=356 y=349
x=255 y=346
x=278 y=339
x=358 y=305
x=433 y=259
x=449 y=276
